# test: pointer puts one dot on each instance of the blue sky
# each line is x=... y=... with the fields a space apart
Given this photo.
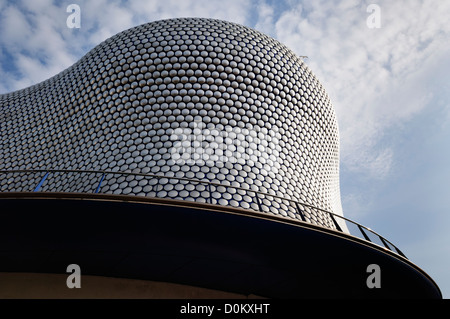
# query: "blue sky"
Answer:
x=390 y=87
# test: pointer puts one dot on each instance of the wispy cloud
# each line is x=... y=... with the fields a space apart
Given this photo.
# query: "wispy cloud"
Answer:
x=375 y=77
x=32 y=43
x=36 y=43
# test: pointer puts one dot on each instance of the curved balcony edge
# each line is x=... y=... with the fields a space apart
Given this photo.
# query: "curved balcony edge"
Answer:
x=326 y=234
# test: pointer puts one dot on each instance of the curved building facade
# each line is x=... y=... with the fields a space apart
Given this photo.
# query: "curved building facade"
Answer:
x=193 y=152
x=188 y=98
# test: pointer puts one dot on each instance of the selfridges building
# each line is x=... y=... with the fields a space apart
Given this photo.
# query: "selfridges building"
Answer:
x=191 y=110
x=253 y=114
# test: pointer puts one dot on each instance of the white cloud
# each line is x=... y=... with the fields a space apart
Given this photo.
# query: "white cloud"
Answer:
x=14 y=25
x=265 y=21
x=32 y=38
x=375 y=77
x=357 y=205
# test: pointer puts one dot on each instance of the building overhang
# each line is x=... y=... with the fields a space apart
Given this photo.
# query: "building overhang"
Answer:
x=202 y=245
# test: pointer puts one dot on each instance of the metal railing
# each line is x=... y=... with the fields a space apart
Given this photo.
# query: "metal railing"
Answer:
x=304 y=212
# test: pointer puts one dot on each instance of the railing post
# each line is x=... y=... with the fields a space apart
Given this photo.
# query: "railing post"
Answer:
x=335 y=223
x=388 y=247
x=99 y=184
x=364 y=234
x=38 y=187
x=300 y=212
x=400 y=252
x=158 y=178
x=384 y=243
x=210 y=194
x=259 y=203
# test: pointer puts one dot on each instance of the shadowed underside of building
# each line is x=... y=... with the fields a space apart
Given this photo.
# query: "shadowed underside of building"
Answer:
x=184 y=158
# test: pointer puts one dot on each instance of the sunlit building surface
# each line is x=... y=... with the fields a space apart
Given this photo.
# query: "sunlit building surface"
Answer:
x=184 y=158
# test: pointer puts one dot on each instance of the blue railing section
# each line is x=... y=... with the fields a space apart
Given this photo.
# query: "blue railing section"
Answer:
x=353 y=228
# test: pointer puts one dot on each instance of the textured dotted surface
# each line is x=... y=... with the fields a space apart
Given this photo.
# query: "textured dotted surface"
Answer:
x=118 y=108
